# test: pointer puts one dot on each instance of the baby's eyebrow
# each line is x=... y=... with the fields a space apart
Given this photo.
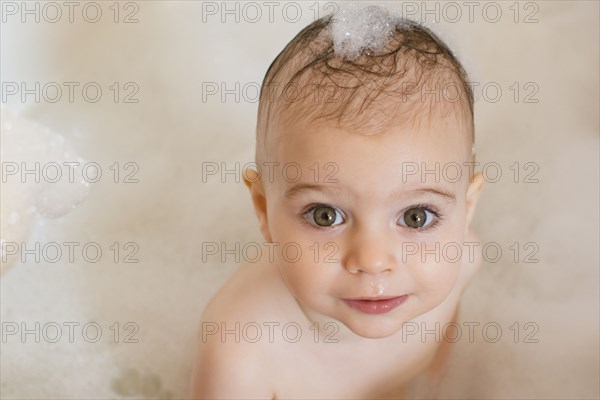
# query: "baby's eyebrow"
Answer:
x=439 y=191
x=301 y=187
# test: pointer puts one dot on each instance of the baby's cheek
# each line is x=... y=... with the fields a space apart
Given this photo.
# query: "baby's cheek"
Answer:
x=293 y=279
x=297 y=267
x=435 y=280
x=305 y=283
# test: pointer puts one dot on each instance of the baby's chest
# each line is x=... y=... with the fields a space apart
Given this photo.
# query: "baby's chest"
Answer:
x=336 y=370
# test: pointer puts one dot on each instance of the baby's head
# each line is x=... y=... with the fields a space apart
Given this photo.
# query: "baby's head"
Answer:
x=364 y=145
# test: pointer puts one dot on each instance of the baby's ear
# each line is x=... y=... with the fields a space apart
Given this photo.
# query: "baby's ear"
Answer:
x=259 y=199
x=473 y=192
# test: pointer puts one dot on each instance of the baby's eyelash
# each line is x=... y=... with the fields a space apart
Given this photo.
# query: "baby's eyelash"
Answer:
x=427 y=207
x=433 y=210
x=311 y=207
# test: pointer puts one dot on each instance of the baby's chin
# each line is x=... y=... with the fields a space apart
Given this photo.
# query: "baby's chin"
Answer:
x=374 y=327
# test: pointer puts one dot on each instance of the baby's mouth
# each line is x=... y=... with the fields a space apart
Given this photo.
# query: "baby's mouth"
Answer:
x=376 y=305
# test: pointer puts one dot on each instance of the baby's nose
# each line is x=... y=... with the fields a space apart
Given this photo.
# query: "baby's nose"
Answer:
x=370 y=252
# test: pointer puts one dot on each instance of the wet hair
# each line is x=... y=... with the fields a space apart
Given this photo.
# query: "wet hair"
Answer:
x=414 y=76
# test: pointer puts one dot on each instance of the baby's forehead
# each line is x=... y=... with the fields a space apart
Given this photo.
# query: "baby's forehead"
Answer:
x=312 y=146
x=368 y=166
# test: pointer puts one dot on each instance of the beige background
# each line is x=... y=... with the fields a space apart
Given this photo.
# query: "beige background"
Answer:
x=169 y=53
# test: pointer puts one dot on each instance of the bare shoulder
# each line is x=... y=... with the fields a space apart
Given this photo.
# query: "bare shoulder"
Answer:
x=254 y=292
x=226 y=370
x=227 y=365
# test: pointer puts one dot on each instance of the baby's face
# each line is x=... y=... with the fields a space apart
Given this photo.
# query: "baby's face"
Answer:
x=365 y=220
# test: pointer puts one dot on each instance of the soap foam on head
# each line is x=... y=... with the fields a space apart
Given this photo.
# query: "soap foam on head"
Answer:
x=358 y=28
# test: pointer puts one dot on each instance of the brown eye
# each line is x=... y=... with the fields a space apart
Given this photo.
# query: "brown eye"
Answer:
x=417 y=217
x=324 y=215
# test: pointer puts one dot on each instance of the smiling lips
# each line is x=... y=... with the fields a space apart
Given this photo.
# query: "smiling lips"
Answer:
x=376 y=305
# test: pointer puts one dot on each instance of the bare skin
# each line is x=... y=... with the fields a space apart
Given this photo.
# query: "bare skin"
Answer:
x=358 y=369
x=297 y=336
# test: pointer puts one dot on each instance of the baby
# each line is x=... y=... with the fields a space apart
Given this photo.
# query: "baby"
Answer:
x=364 y=193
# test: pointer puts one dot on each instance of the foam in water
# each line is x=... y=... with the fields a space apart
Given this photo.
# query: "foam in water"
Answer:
x=26 y=144
x=356 y=28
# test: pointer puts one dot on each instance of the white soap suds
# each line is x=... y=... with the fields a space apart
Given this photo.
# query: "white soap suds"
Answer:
x=356 y=28
x=47 y=188
x=57 y=184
